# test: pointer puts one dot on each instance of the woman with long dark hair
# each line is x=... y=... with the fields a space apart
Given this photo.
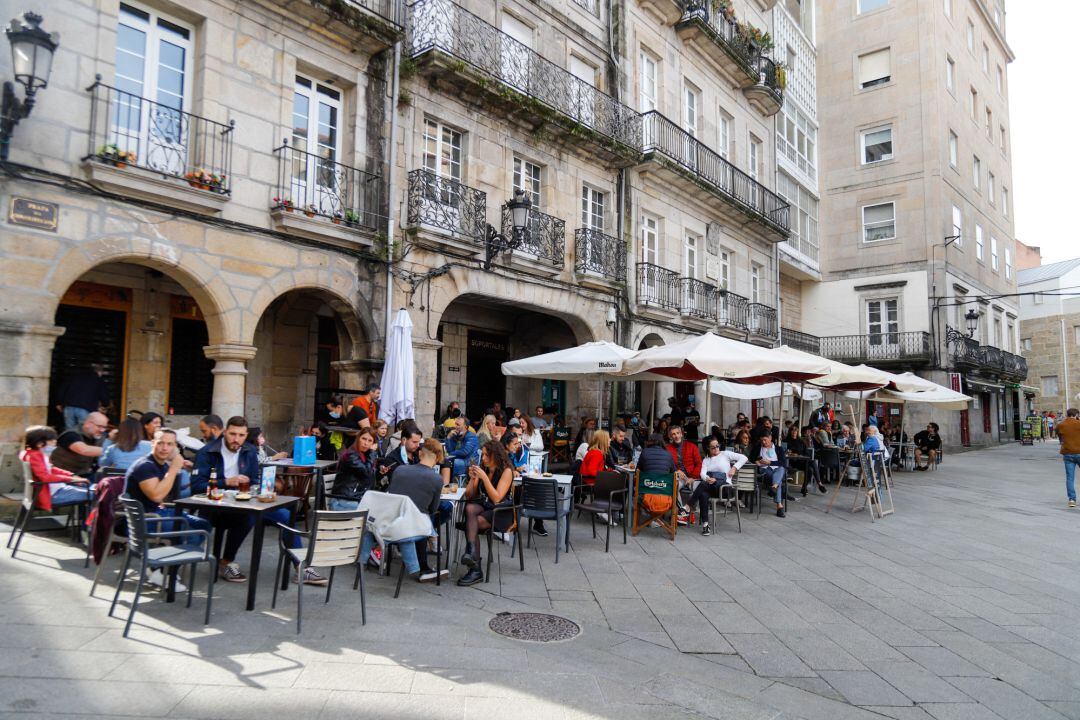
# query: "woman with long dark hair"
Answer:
x=129 y=446
x=490 y=486
x=151 y=423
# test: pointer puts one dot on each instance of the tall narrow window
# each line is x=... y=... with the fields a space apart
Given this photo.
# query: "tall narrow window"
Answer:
x=973 y=104
x=993 y=253
x=979 y=242
x=954 y=149
x=971 y=36
x=755 y=283
x=950 y=73
x=989 y=124
x=725 y=269
x=515 y=54
x=527 y=179
x=691 y=103
x=874 y=68
x=724 y=126
x=442 y=150
x=651 y=292
x=1005 y=201
x=691 y=268
x=986 y=58
x=1008 y=264
x=1003 y=136
x=648 y=91
x=958 y=225
x=592 y=208
x=1000 y=80
x=317 y=141
x=948 y=8
x=879 y=222
x=976 y=172
x=991 y=188
x=877 y=145
x=753 y=160
x=882 y=322
x=650 y=239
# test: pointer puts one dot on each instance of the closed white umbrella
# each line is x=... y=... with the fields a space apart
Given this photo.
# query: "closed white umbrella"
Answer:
x=398 y=390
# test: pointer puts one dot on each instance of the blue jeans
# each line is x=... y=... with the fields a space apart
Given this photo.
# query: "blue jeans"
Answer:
x=336 y=504
x=69 y=494
x=194 y=521
x=406 y=548
x=74 y=417
x=281 y=515
x=775 y=476
x=1071 y=461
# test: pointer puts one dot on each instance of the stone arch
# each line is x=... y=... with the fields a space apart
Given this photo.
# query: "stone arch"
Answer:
x=192 y=273
x=648 y=336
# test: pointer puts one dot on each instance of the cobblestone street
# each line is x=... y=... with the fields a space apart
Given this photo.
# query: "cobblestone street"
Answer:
x=961 y=606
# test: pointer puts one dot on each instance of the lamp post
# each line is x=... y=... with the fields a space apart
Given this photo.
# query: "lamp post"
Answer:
x=31 y=58
x=971 y=319
x=496 y=242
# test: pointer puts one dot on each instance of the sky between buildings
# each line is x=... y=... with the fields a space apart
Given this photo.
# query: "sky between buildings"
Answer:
x=1043 y=107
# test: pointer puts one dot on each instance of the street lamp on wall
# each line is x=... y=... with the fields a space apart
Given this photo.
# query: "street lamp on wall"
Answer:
x=495 y=242
x=31 y=58
x=971 y=318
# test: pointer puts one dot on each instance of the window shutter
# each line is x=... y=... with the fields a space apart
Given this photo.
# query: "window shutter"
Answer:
x=874 y=66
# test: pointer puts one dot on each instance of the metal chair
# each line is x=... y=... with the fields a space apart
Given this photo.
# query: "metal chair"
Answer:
x=297 y=481
x=334 y=540
x=609 y=497
x=746 y=480
x=162 y=557
x=540 y=501
x=732 y=498
x=31 y=487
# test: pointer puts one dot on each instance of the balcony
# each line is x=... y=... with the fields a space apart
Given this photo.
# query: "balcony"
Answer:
x=452 y=214
x=599 y=259
x=878 y=349
x=718 y=39
x=800 y=341
x=1015 y=367
x=318 y=198
x=475 y=61
x=762 y=320
x=666 y=11
x=142 y=148
x=695 y=166
x=657 y=287
x=732 y=311
x=380 y=22
x=767 y=94
x=969 y=355
x=697 y=299
x=543 y=243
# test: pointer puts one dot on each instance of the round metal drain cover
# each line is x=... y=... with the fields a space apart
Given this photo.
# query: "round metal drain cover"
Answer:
x=534 y=627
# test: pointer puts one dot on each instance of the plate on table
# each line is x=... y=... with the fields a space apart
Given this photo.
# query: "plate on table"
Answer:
x=243 y=497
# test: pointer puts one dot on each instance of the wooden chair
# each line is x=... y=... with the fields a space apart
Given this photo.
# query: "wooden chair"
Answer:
x=298 y=481
x=560 y=445
x=334 y=540
x=29 y=505
x=662 y=484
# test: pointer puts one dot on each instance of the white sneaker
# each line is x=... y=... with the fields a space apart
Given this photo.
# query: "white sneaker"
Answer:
x=602 y=517
x=311 y=577
x=157 y=577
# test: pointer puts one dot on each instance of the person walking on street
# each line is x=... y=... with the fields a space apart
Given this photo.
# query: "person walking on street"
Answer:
x=1068 y=432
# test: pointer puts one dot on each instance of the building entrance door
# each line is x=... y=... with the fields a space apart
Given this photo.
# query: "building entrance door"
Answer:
x=484 y=381
x=92 y=336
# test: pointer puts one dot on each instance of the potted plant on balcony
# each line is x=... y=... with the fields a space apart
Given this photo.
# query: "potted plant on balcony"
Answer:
x=205 y=180
x=311 y=210
x=352 y=218
x=338 y=217
x=757 y=40
x=725 y=8
x=113 y=155
x=285 y=204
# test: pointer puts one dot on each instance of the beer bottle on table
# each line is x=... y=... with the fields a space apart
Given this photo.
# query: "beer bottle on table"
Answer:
x=211 y=485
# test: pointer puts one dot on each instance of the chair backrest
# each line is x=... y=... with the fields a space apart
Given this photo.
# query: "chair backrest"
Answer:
x=296 y=481
x=561 y=436
x=746 y=478
x=28 y=486
x=136 y=523
x=335 y=537
x=540 y=494
x=607 y=482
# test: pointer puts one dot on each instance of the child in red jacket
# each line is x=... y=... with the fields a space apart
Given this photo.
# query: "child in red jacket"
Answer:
x=57 y=489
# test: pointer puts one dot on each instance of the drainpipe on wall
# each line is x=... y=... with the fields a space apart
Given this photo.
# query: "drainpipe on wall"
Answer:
x=391 y=191
x=1065 y=364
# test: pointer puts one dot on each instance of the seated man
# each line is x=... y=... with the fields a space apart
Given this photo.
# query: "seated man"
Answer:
x=406 y=451
x=621 y=452
x=78 y=450
x=927 y=444
x=538 y=419
x=687 y=466
x=234 y=460
x=462 y=446
x=211 y=427
x=422 y=484
x=772 y=464
x=718 y=468
x=801 y=445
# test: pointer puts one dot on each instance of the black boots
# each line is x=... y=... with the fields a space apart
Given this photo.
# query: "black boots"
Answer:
x=471 y=560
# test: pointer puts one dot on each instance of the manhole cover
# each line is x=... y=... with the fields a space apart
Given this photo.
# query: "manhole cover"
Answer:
x=534 y=627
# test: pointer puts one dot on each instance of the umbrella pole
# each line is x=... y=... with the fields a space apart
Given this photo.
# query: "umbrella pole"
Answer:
x=599 y=402
x=708 y=407
x=780 y=411
x=652 y=408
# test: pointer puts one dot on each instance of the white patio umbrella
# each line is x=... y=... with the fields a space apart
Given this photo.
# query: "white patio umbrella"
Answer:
x=398 y=390
x=742 y=391
x=941 y=397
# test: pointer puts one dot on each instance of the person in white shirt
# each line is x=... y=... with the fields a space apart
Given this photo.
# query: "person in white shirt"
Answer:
x=717 y=469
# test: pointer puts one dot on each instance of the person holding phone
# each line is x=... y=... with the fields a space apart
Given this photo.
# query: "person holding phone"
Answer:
x=489 y=487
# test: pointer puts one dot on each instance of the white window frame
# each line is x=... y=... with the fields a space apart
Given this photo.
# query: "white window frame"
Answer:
x=691 y=108
x=993 y=253
x=888 y=323
x=971 y=36
x=755 y=282
x=950 y=74
x=989 y=114
x=954 y=149
x=724 y=123
x=725 y=269
x=528 y=177
x=593 y=208
x=958 y=225
x=1001 y=129
x=441 y=142
x=1005 y=201
x=862 y=145
x=979 y=243
x=648 y=81
x=880 y=223
x=991 y=188
x=691 y=265
x=986 y=59
x=1008 y=264
x=325 y=194
x=650 y=239
x=976 y=172
x=948 y=8
x=754 y=151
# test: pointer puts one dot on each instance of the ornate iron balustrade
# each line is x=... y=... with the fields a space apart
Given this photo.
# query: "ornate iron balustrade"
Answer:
x=762 y=319
x=876 y=347
x=544 y=238
x=768 y=75
x=600 y=254
x=991 y=358
x=732 y=310
x=657 y=286
x=697 y=298
x=126 y=129
x=445 y=26
x=800 y=341
x=664 y=137
x=965 y=350
x=724 y=32
x=392 y=11
x=316 y=185
x=447 y=205
x=1015 y=365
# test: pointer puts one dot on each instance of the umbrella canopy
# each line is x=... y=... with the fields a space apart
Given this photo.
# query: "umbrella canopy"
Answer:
x=842 y=376
x=742 y=391
x=710 y=355
x=942 y=397
x=910 y=382
x=398 y=391
x=590 y=359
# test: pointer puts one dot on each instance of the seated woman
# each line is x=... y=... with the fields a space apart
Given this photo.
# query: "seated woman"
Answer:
x=742 y=442
x=772 y=463
x=487 y=431
x=355 y=472
x=256 y=438
x=57 y=488
x=327 y=443
x=489 y=487
x=595 y=458
x=798 y=451
x=129 y=446
x=151 y=423
x=517 y=452
x=717 y=468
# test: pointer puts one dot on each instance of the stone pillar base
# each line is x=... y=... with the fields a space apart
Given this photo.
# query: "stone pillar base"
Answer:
x=230 y=374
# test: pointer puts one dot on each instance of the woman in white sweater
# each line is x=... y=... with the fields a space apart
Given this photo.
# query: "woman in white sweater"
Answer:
x=717 y=469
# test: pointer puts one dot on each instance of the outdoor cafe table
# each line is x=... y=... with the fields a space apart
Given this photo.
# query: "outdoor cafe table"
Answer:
x=320 y=466
x=252 y=507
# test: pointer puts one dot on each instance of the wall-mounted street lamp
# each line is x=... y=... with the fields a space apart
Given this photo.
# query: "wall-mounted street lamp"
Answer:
x=496 y=242
x=971 y=318
x=31 y=58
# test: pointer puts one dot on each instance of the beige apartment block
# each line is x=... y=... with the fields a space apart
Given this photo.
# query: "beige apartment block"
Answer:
x=916 y=176
x=1050 y=334
x=199 y=292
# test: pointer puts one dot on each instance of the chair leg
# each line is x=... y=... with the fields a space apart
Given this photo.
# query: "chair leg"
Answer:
x=592 y=519
x=191 y=583
x=210 y=590
x=330 y=585
x=363 y=595
x=277 y=578
x=22 y=530
x=120 y=581
x=18 y=522
x=487 y=575
x=607 y=536
x=558 y=536
x=299 y=598
x=438 y=556
x=400 y=577
x=135 y=600
x=521 y=550
x=97 y=573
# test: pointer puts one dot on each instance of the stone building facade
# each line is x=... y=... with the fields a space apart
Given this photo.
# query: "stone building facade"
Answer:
x=1050 y=334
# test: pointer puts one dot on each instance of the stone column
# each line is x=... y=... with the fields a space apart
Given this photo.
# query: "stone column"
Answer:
x=356 y=374
x=25 y=366
x=426 y=361
x=230 y=373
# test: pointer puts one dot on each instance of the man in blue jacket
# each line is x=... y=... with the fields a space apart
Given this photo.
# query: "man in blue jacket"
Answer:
x=234 y=459
x=772 y=467
x=462 y=445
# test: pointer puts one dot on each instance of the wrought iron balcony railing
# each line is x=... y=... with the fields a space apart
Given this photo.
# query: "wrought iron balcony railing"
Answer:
x=599 y=254
x=657 y=286
x=724 y=32
x=1015 y=366
x=664 y=137
x=315 y=185
x=762 y=320
x=126 y=129
x=544 y=238
x=768 y=76
x=876 y=347
x=392 y=11
x=968 y=354
x=697 y=298
x=732 y=310
x=447 y=205
x=447 y=27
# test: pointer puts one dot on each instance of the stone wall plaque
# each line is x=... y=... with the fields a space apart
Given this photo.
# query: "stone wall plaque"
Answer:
x=34 y=213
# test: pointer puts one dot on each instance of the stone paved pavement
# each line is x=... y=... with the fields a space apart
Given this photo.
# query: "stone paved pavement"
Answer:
x=964 y=605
